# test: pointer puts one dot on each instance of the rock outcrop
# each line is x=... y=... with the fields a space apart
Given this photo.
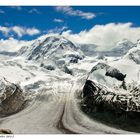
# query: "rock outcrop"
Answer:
x=5 y=131
x=98 y=95
x=11 y=98
x=105 y=95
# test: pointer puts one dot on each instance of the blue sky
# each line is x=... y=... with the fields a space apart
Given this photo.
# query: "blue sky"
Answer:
x=56 y=19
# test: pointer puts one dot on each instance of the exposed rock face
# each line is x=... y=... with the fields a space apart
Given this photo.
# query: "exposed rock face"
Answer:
x=74 y=60
x=67 y=70
x=48 y=67
x=116 y=74
x=11 y=97
x=101 y=93
x=5 y=131
x=98 y=95
x=106 y=74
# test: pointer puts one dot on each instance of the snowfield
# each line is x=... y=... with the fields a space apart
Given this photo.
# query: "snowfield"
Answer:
x=51 y=73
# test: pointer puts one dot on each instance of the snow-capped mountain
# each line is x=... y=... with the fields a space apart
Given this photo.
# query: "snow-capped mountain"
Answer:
x=106 y=75
x=105 y=72
x=119 y=49
x=115 y=86
x=134 y=54
x=112 y=89
x=123 y=46
x=88 y=49
x=51 y=72
x=51 y=47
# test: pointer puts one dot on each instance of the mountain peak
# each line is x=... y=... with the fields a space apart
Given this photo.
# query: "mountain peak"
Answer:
x=51 y=49
x=123 y=46
x=124 y=42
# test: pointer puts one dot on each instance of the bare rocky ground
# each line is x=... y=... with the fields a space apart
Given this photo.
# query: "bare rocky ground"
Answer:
x=12 y=98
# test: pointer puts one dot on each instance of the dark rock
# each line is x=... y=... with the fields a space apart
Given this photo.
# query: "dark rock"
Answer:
x=98 y=95
x=67 y=70
x=12 y=99
x=5 y=131
x=48 y=67
x=116 y=74
x=109 y=71
x=74 y=60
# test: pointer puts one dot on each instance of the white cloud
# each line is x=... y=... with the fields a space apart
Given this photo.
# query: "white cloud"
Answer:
x=106 y=36
x=70 y=11
x=19 y=30
x=58 y=20
x=58 y=30
x=32 y=31
x=12 y=45
x=34 y=10
x=4 y=30
x=2 y=12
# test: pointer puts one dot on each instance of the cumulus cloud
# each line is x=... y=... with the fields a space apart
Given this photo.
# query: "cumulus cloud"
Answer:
x=19 y=30
x=32 y=31
x=12 y=45
x=58 y=30
x=70 y=11
x=34 y=10
x=4 y=30
x=58 y=20
x=105 y=36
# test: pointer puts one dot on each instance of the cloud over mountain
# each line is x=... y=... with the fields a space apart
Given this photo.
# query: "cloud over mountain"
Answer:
x=105 y=35
x=11 y=44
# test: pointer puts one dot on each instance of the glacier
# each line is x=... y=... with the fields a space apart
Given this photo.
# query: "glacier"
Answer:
x=54 y=78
